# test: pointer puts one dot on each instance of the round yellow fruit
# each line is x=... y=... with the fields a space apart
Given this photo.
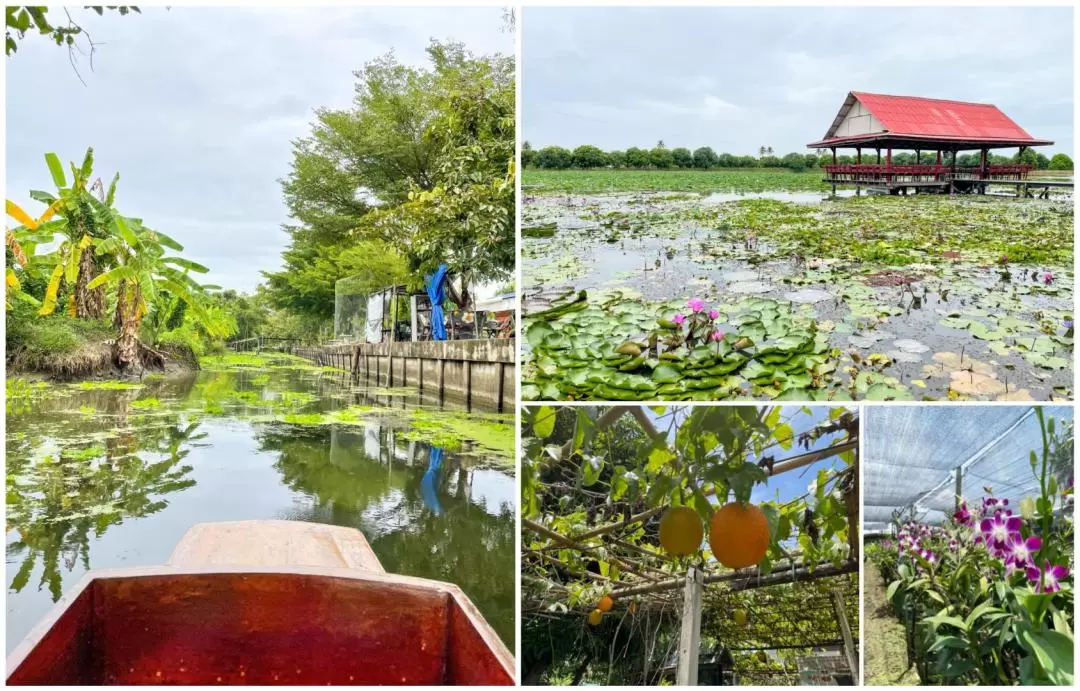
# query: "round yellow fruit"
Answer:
x=740 y=617
x=681 y=531
x=605 y=604
x=739 y=535
x=595 y=617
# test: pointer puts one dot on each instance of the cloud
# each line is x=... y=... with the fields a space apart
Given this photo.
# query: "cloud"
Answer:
x=736 y=78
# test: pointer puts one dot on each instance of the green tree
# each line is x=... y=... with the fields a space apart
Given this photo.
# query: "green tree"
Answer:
x=1041 y=161
x=588 y=156
x=637 y=158
x=682 y=157
x=528 y=155
x=616 y=159
x=554 y=158
x=705 y=158
x=794 y=161
x=1060 y=162
x=422 y=161
x=661 y=157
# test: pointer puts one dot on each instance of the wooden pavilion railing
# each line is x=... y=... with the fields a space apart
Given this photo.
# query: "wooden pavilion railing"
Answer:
x=880 y=172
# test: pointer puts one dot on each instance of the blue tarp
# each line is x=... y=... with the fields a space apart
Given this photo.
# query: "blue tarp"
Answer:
x=437 y=294
x=428 y=484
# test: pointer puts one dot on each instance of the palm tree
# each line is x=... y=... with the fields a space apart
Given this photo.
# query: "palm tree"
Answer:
x=82 y=226
x=141 y=269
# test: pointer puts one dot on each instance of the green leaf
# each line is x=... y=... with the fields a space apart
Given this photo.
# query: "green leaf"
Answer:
x=1054 y=651
x=186 y=263
x=591 y=467
x=121 y=227
x=56 y=170
x=544 y=422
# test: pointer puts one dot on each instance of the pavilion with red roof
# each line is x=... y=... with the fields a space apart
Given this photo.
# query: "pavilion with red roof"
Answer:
x=937 y=126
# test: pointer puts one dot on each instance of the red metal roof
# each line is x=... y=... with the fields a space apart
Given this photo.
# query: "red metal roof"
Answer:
x=933 y=118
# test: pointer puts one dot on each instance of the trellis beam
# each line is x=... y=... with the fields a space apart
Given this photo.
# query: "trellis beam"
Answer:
x=845 y=631
x=752 y=580
x=584 y=549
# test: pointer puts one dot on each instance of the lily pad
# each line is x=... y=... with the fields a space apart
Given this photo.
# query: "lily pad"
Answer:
x=909 y=345
x=749 y=287
x=975 y=383
x=808 y=296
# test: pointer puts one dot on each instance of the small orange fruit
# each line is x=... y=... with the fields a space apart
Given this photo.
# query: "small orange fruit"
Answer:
x=739 y=535
x=605 y=604
x=595 y=617
x=681 y=531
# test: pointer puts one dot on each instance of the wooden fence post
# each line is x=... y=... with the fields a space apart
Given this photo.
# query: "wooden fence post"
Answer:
x=686 y=671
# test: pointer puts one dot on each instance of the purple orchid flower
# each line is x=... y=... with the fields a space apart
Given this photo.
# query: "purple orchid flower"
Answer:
x=998 y=531
x=1049 y=578
x=963 y=516
x=1021 y=553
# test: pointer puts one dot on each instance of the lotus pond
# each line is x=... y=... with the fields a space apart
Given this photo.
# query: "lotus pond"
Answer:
x=112 y=474
x=782 y=295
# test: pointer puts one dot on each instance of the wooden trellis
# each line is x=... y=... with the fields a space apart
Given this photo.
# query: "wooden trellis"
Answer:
x=694 y=582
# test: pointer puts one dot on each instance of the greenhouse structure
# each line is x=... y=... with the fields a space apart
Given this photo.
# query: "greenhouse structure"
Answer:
x=921 y=459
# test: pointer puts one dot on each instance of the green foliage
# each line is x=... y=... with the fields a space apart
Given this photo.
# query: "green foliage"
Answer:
x=972 y=619
x=661 y=157
x=554 y=157
x=53 y=335
x=20 y=21
x=588 y=156
x=637 y=158
x=1060 y=162
x=435 y=147
x=682 y=158
x=705 y=157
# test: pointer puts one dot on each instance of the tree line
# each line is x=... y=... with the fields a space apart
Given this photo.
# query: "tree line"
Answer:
x=660 y=157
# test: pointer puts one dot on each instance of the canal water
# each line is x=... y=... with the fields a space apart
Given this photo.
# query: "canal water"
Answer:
x=104 y=474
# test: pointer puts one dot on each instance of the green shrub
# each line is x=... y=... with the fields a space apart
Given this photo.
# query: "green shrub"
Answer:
x=56 y=334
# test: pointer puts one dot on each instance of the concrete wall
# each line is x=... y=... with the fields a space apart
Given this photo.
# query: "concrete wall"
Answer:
x=478 y=373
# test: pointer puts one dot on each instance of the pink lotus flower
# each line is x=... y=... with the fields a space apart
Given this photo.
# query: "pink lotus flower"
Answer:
x=1048 y=278
x=1048 y=579
x=717 y=335
x=679 y=318
x=695 y=304
x=713 y=314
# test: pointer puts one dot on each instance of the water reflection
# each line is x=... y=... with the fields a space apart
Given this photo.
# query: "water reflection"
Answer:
x=57 y=500
x=108 y=478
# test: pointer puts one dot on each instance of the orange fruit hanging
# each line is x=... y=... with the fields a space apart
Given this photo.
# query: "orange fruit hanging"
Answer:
x=681 y=531
x=595 y=617
x=605 y=604
x=739 y=535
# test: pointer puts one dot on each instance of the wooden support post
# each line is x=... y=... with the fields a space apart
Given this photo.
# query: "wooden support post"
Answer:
x=845 y=631
x=834 y=155
x=686 y=670
x=390 y=370
x=420 y=374
x=888 y=166
x=918 y=157
x=858 y=155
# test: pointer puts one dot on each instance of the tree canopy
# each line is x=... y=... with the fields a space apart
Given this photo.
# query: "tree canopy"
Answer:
x=418 y=172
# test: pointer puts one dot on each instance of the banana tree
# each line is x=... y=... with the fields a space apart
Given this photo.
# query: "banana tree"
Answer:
x=81 y=224
x=141 y=269
x=21 y=242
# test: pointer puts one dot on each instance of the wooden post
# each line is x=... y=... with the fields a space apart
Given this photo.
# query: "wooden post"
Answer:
x=686 y=670
x=442 y=379
x=834 y=155
x=858 y=155
x=879 y=156
x=845 y=632
x=420 y=375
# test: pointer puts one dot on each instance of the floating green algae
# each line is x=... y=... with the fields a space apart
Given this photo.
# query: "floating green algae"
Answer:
x=107 y=385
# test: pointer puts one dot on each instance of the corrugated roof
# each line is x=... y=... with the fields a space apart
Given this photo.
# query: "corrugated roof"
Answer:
x=918 y=117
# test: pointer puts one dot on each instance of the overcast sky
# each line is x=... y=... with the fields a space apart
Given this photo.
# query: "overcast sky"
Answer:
x=736 y=79
x=196 y=108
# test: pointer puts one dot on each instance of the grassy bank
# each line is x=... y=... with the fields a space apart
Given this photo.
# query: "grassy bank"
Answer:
x=699 y=181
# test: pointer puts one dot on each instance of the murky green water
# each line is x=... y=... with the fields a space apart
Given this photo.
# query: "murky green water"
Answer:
x=101 y=478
